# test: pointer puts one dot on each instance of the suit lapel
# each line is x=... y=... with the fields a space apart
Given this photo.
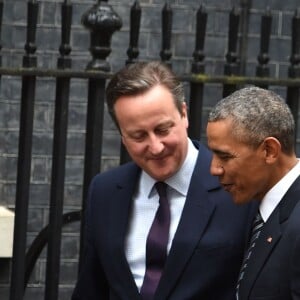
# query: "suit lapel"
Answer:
x=121 y=200
x=196 y=214
x=290 y=200
x=269 y=237
x=267 y=240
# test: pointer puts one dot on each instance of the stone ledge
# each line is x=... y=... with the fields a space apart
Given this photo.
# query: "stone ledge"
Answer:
x=7 y=218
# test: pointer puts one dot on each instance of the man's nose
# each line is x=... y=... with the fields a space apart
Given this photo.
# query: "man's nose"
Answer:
x=216 y=168
x=156 y=146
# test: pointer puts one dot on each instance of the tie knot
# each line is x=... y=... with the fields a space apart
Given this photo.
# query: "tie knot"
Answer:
x=161 y=188
x=258 y=219
x=257 y=224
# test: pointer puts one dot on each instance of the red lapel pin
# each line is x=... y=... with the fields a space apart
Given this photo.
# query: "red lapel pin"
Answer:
x=269 y=239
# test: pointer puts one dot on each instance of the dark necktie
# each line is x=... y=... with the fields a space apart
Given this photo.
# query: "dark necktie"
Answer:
x=156 y=245
x=256 y=229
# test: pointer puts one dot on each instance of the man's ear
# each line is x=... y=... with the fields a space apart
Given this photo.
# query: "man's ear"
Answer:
x=272 y=149
x=184 y=109
x=122 y=139
x=185 y=113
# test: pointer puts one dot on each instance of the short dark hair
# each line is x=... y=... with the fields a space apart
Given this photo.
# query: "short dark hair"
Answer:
x=140 y=77
x=255 y=114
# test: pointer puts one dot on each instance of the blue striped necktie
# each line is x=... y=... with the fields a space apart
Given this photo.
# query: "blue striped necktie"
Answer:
x=256 y=229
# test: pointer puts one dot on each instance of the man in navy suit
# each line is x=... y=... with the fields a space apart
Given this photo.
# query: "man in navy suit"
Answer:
x=207 y=231
x=251 y=133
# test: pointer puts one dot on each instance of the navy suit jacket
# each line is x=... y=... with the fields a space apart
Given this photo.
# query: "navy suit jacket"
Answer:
x=273 y=271
x=206 y=252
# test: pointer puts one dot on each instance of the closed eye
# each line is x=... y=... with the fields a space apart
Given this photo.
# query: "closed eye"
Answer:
x=162 y=131
x=137 y=136
x=223 y=156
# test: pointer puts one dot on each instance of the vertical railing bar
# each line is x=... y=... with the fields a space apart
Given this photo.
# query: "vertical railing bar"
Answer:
x=196 y=97
x=95 y=19
x=1 y=19
x=135 y=23
x=132 y=53
x=231 y=65
x=245 y=15
x=59 y=158
x=263 y=69
x=293 y=94
x=24 y=158
x=167 y=19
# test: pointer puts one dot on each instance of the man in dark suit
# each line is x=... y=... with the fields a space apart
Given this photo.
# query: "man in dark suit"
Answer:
x=251 y=133
x=206 y=231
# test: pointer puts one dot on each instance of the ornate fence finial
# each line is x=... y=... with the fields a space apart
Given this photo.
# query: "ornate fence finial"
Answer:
x=198 y=65
x=64 y=61
x=294 y=69
x=29 y=59
x=167 y=16
x=135 y=20
x=102 y=21
x=1 y=15
x=293 y=93
x=262 y=69
x=231 y=66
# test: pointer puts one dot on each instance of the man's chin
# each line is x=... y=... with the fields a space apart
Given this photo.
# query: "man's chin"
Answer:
x=240 y=200
x=159 y=175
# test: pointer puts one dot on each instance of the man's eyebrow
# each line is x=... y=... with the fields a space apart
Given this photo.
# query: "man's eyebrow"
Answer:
x=166 y=123
x=219 y=152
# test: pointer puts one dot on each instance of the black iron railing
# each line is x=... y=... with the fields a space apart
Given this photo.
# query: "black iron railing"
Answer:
x=102 y=21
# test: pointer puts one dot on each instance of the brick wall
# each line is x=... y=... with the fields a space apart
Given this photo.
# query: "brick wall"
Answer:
x=48 y=41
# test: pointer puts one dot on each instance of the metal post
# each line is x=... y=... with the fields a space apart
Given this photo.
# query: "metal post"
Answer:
x=135 y=23
x=58 y=158
x=196 y=97
x=24 y=157
x=102 y=21
x=231 y=65
x=293 y=94
x=263 y=69
x=132 y=52
x=167 y=16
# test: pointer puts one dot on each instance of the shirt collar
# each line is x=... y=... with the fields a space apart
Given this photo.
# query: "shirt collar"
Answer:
x=180 y=180
x=276 y=193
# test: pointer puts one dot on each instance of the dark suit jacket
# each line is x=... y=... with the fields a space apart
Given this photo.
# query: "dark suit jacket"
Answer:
x=206 y=252
x=273 y=271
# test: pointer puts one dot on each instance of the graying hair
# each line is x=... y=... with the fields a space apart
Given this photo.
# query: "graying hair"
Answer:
x=138 y=78
x=257 y=113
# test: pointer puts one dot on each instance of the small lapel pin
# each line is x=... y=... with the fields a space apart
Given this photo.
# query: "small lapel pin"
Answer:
x=269 y=239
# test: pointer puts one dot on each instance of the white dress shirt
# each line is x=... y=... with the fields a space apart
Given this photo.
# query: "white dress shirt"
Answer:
x=276 y=193
x=145 y=204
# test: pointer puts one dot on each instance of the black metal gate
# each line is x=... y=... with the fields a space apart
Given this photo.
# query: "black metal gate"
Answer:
x=102 y=21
